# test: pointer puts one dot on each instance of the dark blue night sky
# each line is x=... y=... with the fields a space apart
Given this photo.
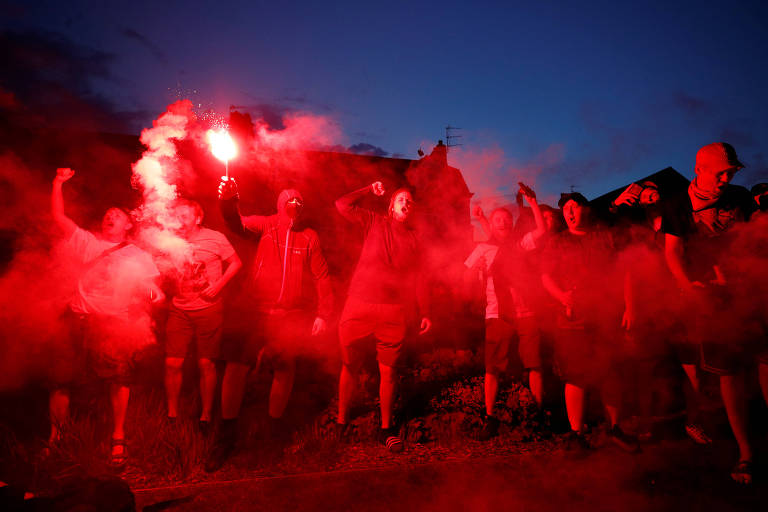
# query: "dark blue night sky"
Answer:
x=568 y=95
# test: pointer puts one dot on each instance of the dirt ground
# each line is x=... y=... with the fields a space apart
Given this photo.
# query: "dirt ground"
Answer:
x=673 y=475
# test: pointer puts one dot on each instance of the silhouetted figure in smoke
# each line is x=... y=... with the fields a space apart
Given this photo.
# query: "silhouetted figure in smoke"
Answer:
x=382 y=299
x=579 y=271
x=653 y=328
x=698 y=227
x=279 y=306
x=197 y=309
x=509 y=311
x=109 y=312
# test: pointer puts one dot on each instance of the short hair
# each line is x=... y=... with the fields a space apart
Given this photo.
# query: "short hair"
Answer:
x=500 y=209
x=572 y=196
x=183 y=201
x=395 y=194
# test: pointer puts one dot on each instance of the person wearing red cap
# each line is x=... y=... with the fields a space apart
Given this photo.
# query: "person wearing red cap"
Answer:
x=698 y=227
x=288 y=262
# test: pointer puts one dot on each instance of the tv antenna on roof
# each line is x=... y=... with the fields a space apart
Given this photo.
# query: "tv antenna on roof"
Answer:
x=451 y=137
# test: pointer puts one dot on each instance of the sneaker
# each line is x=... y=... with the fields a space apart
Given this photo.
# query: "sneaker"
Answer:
x=390 y=437
x=623 y=440
x=204 y=427
x=220 y=452
x=577 y=443
x=490 y=428
x=697 y=434
x=342 y=432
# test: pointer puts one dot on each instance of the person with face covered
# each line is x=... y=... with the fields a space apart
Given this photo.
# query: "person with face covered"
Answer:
x=700 y=227
x=382 y=299
x=284 y=318
x=579 y=271
x=109 y=314
x=509 y=311
x=197 y=309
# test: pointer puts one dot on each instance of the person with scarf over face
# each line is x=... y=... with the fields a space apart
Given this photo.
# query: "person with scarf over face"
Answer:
x=698 y=227
x=287 y=264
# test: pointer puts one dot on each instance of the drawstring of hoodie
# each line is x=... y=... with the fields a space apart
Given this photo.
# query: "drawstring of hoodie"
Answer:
x=285 y=262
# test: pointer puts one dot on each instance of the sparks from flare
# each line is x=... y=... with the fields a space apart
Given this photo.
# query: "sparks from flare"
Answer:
x=222 y=147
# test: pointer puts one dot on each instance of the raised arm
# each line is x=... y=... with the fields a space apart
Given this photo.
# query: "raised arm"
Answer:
x=65 y=224
x=349 y=209
x=477 y=212
x=229 y=205
x=541 y=227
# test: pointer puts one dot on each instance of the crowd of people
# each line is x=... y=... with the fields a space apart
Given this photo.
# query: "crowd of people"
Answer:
x=610 y=291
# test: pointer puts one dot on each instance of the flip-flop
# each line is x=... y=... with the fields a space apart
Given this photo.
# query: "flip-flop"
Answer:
x=742 y=472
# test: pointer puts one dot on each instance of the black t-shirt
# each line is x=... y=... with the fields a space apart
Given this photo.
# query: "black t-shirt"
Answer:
x=588 y=265
x=705 y=242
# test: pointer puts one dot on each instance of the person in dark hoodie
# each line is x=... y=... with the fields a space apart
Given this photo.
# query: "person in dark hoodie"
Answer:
x=381 y=302
x=287 y=258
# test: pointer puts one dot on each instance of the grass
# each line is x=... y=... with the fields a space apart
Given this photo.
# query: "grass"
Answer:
x=439 y=409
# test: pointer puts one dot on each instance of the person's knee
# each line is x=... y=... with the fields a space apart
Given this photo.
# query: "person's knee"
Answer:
x=206 y=366
x=174 y=363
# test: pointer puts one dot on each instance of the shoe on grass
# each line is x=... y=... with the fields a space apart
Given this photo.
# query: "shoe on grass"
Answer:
x=490 y=428
x=697 y=434
x=220 y=452
x=390 y=437
x=577 y=444
x=626 y=442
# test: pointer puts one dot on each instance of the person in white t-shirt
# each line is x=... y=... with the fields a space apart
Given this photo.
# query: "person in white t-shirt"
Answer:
x=109 y=312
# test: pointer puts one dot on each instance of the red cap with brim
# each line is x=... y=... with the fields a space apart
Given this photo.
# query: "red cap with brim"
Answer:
x=718 y=155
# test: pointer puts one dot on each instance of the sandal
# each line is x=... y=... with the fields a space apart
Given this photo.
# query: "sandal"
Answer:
x=742 y=472
x=118 y=460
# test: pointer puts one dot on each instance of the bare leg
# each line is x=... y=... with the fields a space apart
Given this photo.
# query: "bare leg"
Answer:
x=119 y=395
x=762 y=370
x=536 y=385
x=491 y=391
x=58 y=409
x=233 y=389
x=574 y=405
x=282 y=384
x=173 y=378
x=387 y=393
x=207 y=387
x=347 y=383
x=732 y=391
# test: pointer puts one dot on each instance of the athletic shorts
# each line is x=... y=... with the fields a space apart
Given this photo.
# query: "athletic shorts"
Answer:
x=723 y=334
x=586 y=356
x=279 y=335
x=203 y=325
x=386 y=324
x=499 y=334
x=114 y=342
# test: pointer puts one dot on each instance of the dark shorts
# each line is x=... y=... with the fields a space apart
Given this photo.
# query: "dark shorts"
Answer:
x=278 y=335
x=499 y=334
x=387 y=324
x=114 y=342
x=586 y=354
x=67 y=351
x=204 y=325
x=723 y=334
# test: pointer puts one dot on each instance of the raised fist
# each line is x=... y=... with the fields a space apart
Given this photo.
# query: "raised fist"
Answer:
x=477 y=212
x=526 y=190
x=64 y=173
x=378 y=188
x=227 y=188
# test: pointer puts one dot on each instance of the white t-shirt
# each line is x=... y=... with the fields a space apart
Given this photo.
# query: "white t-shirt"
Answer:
x=208 y=250
x=117 y=284
x=488 y=252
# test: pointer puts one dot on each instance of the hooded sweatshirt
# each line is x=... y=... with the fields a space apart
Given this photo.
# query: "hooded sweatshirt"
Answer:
x=288 y=260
